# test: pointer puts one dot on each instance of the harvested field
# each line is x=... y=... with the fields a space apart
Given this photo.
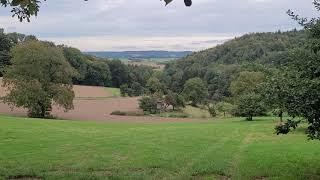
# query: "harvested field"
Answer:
x=80 y=91
x=90 y=92
x=92 y=103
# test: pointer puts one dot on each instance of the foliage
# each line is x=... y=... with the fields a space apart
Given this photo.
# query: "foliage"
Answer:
x=154 y=85
x=149 y=104
x=195 y=91
x=124 y=90
x=212 y=110
x=303 y=80
x=119 y=73
x=128 y=113
x=186 y=2
x=7 y=41
x=285 y=128
x=23 y=9
x=225 y=107
x=219 y=66
x=89 y=70
x=174 y=114
x=175 y=100
x=303 y=76
x=247 y=82
x=38 y=77
x=5 y=46
x=276 y=93
x=250 y=105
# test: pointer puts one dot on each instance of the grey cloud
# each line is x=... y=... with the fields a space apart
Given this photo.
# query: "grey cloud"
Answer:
x=150 y=18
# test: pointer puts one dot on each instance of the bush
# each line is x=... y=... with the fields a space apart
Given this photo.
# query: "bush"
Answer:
x=149 y=104
x=124 y=90
x=175 y=115
x=225 y=108
x=285 y=128
x=129 y=113
x=212 y=110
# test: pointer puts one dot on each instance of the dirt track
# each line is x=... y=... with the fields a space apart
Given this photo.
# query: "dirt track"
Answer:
x=98 y=108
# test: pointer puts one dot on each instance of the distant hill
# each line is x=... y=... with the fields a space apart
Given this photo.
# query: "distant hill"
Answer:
x=217 y=66
x=140 y=54
x=248 y=48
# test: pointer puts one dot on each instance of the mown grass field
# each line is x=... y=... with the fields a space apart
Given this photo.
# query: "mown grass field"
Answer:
x=217 y=149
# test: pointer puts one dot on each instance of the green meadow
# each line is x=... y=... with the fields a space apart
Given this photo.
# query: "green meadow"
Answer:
x=214 y=149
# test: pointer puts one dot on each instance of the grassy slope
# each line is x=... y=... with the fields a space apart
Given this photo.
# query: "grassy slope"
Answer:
x=115 y=91
x=230 y=148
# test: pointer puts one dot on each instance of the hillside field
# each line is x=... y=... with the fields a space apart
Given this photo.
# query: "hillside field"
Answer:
x=216 y=149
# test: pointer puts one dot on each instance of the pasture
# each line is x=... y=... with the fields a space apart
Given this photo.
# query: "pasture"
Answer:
x=216 y=149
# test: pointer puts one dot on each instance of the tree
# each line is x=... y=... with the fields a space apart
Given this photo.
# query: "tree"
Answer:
x=212 y=110
x=218 y=85
x=250 y=105
x=303 y=77
x=98 y=74
x=303 y=80
x=195 y=91
x=149 y=104
x=275 y=92
x=24 y=9
x=175 y=100
x=154 y=85
x=247 y=82
x=225 y=108
x=124 y=90
x=79 y=62
x=5 y=46
x=39 y=77
x=119 y=73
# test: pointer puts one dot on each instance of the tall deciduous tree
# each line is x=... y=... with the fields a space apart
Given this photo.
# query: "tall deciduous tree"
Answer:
x=303 y=76
x=276 y=93
x=250 y=105
x=195 y=91
x=39 y=77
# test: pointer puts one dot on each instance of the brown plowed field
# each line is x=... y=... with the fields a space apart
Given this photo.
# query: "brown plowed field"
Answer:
x=93 y=103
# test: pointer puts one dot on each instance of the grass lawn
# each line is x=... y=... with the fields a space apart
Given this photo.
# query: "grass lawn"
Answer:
x=188 y=112
x=221 y=149
x=115 y=91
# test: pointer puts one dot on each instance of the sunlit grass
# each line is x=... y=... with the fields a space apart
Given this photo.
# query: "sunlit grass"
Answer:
x=229 y=148
x=115 y=91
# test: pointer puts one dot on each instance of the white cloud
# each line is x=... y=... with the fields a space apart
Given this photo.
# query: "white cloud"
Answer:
x=71 y=21
x=122 y=43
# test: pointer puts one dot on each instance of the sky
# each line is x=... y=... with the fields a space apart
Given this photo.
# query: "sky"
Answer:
x=118 y=25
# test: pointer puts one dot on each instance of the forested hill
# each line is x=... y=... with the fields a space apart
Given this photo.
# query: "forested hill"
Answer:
x=249 y=48
x=140 y=54
x=220 y=65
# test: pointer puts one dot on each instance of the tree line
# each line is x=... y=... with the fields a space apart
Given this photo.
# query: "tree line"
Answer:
x=256 y=74
x=253 y=75
x=40 y=73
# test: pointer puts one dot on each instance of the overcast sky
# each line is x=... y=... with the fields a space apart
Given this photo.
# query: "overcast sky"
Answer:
x=98 y=25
